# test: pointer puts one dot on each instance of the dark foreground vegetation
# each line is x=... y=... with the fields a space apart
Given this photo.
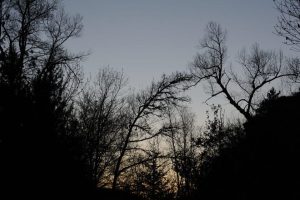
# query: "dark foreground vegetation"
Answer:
x=264 y=162
x=62 y=137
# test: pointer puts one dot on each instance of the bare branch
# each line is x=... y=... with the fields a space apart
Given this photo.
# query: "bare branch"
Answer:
x=257 y=69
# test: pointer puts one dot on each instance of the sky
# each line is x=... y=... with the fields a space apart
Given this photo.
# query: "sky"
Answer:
x=146 y=38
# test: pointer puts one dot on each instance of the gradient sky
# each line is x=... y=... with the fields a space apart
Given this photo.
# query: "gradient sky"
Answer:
x=147 y=38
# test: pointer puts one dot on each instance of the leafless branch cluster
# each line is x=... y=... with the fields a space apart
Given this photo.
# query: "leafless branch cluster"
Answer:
x=288 y=25
x=146 y=106
x=256 y=69
x=102 y=120
x=37 y=31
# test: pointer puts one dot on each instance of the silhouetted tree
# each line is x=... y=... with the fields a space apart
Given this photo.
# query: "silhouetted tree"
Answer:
x=38 y=78
x=258 y=68
x=143 y=108
x=102 y=122
x=184 y=152
x=217 y=135
x=288 y=25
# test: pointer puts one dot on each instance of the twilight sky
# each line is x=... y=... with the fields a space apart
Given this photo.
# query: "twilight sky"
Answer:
x=147 y=38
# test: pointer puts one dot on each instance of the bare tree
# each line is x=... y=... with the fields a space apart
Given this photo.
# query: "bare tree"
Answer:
x=288 y=25
x=37 y=31
x=183 y=150
x=242 y=84
x=294 y=68
x=102 y=121
x=146 y=109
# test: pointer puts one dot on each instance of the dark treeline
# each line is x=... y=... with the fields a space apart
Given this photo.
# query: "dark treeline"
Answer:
x=61 y=136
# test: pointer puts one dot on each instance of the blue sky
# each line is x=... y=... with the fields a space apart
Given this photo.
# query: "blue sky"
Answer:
x=147 y=38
